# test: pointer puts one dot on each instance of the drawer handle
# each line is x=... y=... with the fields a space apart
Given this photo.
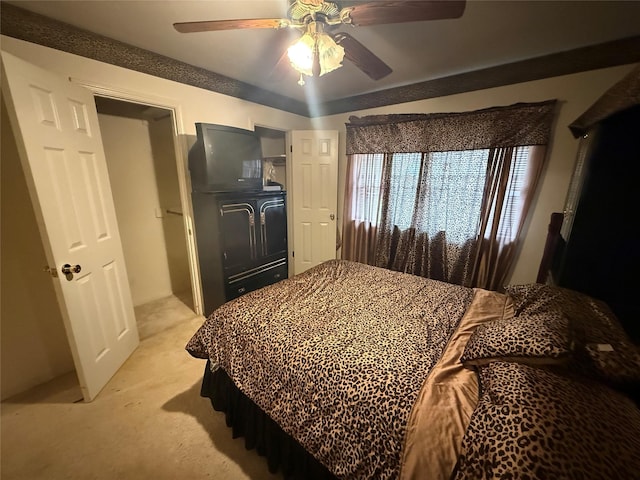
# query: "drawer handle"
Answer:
x=277 y=275
x=242 y=289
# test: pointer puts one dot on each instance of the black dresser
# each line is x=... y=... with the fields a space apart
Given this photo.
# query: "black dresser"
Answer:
x=242 y=242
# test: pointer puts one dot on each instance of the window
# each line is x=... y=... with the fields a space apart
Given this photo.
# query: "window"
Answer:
x=455 y=210
x=366 y=198
x=436 y=192
x=513 y=205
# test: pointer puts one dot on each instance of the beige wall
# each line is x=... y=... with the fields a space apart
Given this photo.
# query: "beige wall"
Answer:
x=164 y=159
x=127 y=148
x=575 y=93
x=34 y=346
x=275 y=147
x=272 y=147
x=160 y=131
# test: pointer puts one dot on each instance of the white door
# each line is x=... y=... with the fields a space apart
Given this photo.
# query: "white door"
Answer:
x=314 y=165
x=56 y=128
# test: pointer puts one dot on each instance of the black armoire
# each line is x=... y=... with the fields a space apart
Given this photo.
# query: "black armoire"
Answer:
x=240 y=230
x=602 y=254
x=601 y=251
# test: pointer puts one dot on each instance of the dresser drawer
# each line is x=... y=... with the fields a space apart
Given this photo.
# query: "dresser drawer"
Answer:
x=256 y=278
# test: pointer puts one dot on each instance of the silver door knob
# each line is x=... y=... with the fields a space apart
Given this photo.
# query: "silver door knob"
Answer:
x=67 y=269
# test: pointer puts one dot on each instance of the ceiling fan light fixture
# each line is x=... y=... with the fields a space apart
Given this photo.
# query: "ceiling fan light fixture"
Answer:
x=315 y=42
x=330 y=53
x=301 y=54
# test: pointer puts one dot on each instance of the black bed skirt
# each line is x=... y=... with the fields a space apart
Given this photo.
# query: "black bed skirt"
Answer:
x=247 y=420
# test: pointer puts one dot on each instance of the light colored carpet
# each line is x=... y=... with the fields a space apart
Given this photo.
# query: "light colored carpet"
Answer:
x=158 y=315
x=149 y=422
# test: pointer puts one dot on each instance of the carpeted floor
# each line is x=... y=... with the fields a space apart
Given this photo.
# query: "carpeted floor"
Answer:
x=158 y=315
x=149 y=422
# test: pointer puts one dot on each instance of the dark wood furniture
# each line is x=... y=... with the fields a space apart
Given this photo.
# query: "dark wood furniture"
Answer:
x=242 y=243
x=550 y=247
x=600 y=255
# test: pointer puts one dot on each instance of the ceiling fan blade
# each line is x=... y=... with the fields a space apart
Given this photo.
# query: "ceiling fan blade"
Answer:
x=362 y=57
x=378 y=13
x=216 y=25
x=274 y=58
x=281 y=70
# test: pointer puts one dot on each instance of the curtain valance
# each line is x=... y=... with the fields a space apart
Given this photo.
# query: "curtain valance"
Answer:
x=518 y=124
x=623 y=95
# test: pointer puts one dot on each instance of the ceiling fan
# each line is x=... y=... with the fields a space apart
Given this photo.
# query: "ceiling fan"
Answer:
x=321 y=48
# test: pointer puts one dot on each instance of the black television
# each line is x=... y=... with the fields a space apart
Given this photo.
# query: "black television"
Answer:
x=225 y=159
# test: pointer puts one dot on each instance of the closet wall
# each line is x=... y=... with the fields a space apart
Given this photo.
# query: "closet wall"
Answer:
x=164 y=161
x=138 y=145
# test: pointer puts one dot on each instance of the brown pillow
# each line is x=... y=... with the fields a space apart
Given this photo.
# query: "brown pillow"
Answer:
x=533 y=339
x=532 y=423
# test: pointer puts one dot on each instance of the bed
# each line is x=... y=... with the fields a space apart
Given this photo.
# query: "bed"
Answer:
x=355 y=372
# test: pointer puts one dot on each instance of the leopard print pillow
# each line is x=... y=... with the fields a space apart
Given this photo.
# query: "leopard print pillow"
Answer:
x=603 y=350
x=617 y=363
x=537 y=339
x=535 y=298
x=533 y=424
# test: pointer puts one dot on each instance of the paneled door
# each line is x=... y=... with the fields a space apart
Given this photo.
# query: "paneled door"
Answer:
x=58 y=138
x=314 y=164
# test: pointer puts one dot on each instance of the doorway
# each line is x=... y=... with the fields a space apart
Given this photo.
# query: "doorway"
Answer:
x=139 y=149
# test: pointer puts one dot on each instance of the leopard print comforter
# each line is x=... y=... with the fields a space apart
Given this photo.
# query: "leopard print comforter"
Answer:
x=337 y=356
x=532 y=423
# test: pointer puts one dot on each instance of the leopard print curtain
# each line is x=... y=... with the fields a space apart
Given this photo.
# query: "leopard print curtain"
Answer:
x=437 y=231
x=519 y=124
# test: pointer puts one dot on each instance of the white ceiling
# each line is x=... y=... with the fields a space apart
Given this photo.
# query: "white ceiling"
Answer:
x=489 y=33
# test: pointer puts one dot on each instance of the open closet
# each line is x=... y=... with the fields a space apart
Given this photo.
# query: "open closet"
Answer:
x=140 y=154
x=138 y=145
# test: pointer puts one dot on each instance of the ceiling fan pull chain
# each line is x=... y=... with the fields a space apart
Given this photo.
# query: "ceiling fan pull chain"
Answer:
x=301 y=81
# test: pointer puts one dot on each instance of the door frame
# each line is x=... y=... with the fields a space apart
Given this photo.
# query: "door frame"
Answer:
x=180 y=151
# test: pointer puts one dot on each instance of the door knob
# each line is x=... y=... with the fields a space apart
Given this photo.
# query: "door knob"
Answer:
x=332 y=216
x=66 y=268
x=69 y=270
